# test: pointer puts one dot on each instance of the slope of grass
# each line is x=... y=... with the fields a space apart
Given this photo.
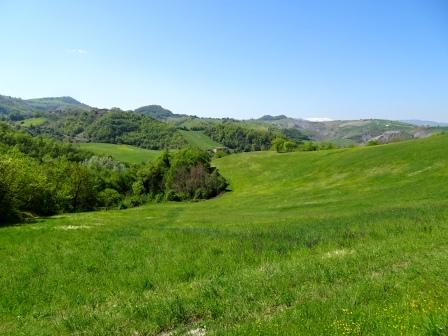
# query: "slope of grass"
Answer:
x=32 y=122
x=123 y=153
x=199 y=139
x=341 y=242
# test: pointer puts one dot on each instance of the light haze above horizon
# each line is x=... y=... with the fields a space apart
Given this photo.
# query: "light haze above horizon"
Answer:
x=343 y=59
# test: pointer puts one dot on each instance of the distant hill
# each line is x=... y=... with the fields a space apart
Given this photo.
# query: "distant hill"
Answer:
x=66 y=117
x=426 y=123
x=271 y=118
x=14 y=108
x=56 y=103
x=19 y=109
x=346 y=132
x=158 y=112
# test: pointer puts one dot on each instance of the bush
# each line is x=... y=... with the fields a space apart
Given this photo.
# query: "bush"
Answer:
x=109 y=197
x=283 y=145
x=184 y=175
x=373 y=143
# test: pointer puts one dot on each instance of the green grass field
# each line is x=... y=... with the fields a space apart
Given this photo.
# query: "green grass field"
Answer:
x=339 y=242
x=123 y=153
x=32 y=122
x=199 y=139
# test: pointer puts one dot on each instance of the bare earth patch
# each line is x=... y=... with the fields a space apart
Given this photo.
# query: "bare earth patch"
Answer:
x=74 y=227
x=192 y=332
x=338 y=253
x=197 y=332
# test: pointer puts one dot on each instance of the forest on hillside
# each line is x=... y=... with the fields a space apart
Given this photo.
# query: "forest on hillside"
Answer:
x=43 y=176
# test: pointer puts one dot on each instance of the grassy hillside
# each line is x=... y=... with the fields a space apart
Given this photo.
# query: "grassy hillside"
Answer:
x=199 y=139
x=32 y=122
x=123 y=153
x=340 y=242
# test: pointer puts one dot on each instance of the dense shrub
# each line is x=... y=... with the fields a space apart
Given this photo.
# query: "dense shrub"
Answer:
x=109 y=197
x=240 y=138
x=283 y=145
x=42 y=176
x=184 y=175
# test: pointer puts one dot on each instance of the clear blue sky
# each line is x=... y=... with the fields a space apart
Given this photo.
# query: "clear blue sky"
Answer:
x=338 y=59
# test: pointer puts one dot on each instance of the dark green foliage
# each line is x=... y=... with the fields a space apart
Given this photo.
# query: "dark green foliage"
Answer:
x=245 y=138
x=311 y=146
x=294 y=134
x=45 y=188
x=120 y=127
x=42 y=176
x=373 y=143
x=134 y=129
x=75 y=122
x=241 y=139
x=38 y=147
x=184 y=175
x=69 y=123
x=109 y=197
x=152 y=176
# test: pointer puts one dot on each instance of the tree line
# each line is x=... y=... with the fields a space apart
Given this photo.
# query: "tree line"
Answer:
x=241 y=138
x=284 y=145
x=42 y=176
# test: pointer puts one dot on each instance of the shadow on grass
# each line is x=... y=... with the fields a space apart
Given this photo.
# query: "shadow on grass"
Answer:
x=23 y=221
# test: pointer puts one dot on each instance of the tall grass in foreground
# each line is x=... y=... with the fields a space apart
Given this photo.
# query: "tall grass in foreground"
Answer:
x=341 y=242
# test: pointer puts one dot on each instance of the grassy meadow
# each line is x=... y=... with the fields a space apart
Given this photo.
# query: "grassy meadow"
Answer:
x=32 y=122
x=338 y=242
x=123 y=153
x=200 y=140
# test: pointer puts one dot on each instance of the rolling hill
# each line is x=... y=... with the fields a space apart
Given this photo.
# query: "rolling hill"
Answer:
x=338 y=242
x=56 y=103
x=426 y=123
x=67 y=118
x=344 y=132
x=18 y=109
